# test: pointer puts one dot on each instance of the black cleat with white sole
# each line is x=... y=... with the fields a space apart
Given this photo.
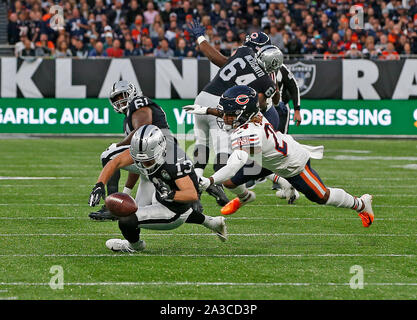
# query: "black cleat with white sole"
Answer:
x=102 y=214
x=218 y=193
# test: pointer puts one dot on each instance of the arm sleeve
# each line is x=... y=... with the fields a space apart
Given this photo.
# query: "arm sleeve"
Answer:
x=290 y=83
x=236 y=161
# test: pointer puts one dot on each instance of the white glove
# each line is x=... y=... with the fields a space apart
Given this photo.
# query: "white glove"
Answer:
x=112 y=146
x=195 y=109
x=204 y=183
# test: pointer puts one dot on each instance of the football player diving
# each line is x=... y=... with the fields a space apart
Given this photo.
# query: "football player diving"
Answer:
x=252 y=136
x=269 y=58
x=164 y=204
x=286 y=88
x=138 y=110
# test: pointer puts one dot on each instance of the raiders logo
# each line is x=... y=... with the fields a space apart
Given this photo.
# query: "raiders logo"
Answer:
x=165 y=175
x=305 y=74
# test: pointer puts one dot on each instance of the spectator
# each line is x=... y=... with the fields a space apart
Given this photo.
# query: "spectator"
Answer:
x=147 y=47
x=294 y=26
x=115 y=51
x=44 y=47
x=92 y=42
x=80 y=50
x=62 y=50
x=150 y=13
x=164 y=51
x=98 y=50
x=276 y=37
x=108 y=40
x=165 y=14
x=353 y=52
x=13 y=29
x=137 y=29
x=99 y=10
x=171 y=33
x=130 y=50
x=230 y=42
x=389 y=53
x=27 y=52
x=132 y=12
x=383 y=43
x=77 y=25
x=183 y=11
x=215 y=14
x=117 y=13
x=21 y=45
x=181 y=49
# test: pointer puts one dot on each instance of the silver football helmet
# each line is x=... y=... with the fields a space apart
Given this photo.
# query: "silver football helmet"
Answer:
x=122 y=92
x=270 y=58
x=148 y=149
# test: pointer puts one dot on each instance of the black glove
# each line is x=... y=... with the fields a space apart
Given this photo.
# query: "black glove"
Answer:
x=166 y=193
x=197 y=29
x=97 y=193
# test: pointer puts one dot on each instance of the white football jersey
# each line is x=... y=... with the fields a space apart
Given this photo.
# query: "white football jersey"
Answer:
x=272 y=150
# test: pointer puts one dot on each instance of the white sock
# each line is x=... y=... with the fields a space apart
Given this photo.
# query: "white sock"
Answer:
x=341 y=199
x=209 y=222
x=199 y=172
x=241 y=191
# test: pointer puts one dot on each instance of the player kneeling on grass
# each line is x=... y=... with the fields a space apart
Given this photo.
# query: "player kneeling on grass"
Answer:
x=165 y=207
x=253 y=137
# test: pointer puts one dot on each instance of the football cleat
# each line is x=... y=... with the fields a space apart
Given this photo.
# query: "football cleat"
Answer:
x=275 y=186
x=252 y=183
x=102 y=214
x=119 y=245
x=236 y=203
x=289 y=194
x=220 y=229
x=367 y=215
x=218 y=193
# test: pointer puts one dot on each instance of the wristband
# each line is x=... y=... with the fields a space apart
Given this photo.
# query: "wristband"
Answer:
x=127 y=190
x=200 y=39
x=297 y=108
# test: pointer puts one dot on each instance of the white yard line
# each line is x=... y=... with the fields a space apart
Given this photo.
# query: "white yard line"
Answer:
x=187 y=283
x=268 y=255
x=210 y=234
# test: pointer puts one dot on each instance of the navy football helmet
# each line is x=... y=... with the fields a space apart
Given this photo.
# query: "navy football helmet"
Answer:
x=256 y=40
x=239 y=102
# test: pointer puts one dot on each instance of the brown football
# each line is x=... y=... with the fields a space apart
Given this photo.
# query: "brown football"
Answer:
x=121 y=204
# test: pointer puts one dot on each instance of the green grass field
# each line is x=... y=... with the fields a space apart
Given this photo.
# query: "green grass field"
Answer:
x=275 y=251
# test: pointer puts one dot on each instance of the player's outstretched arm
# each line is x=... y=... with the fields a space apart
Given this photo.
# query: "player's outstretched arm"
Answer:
x=197 y=109
x=236 y=161
x=211 y=53
x=122 y=160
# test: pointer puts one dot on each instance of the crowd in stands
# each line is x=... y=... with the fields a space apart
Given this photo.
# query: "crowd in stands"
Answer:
x=125 y=28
